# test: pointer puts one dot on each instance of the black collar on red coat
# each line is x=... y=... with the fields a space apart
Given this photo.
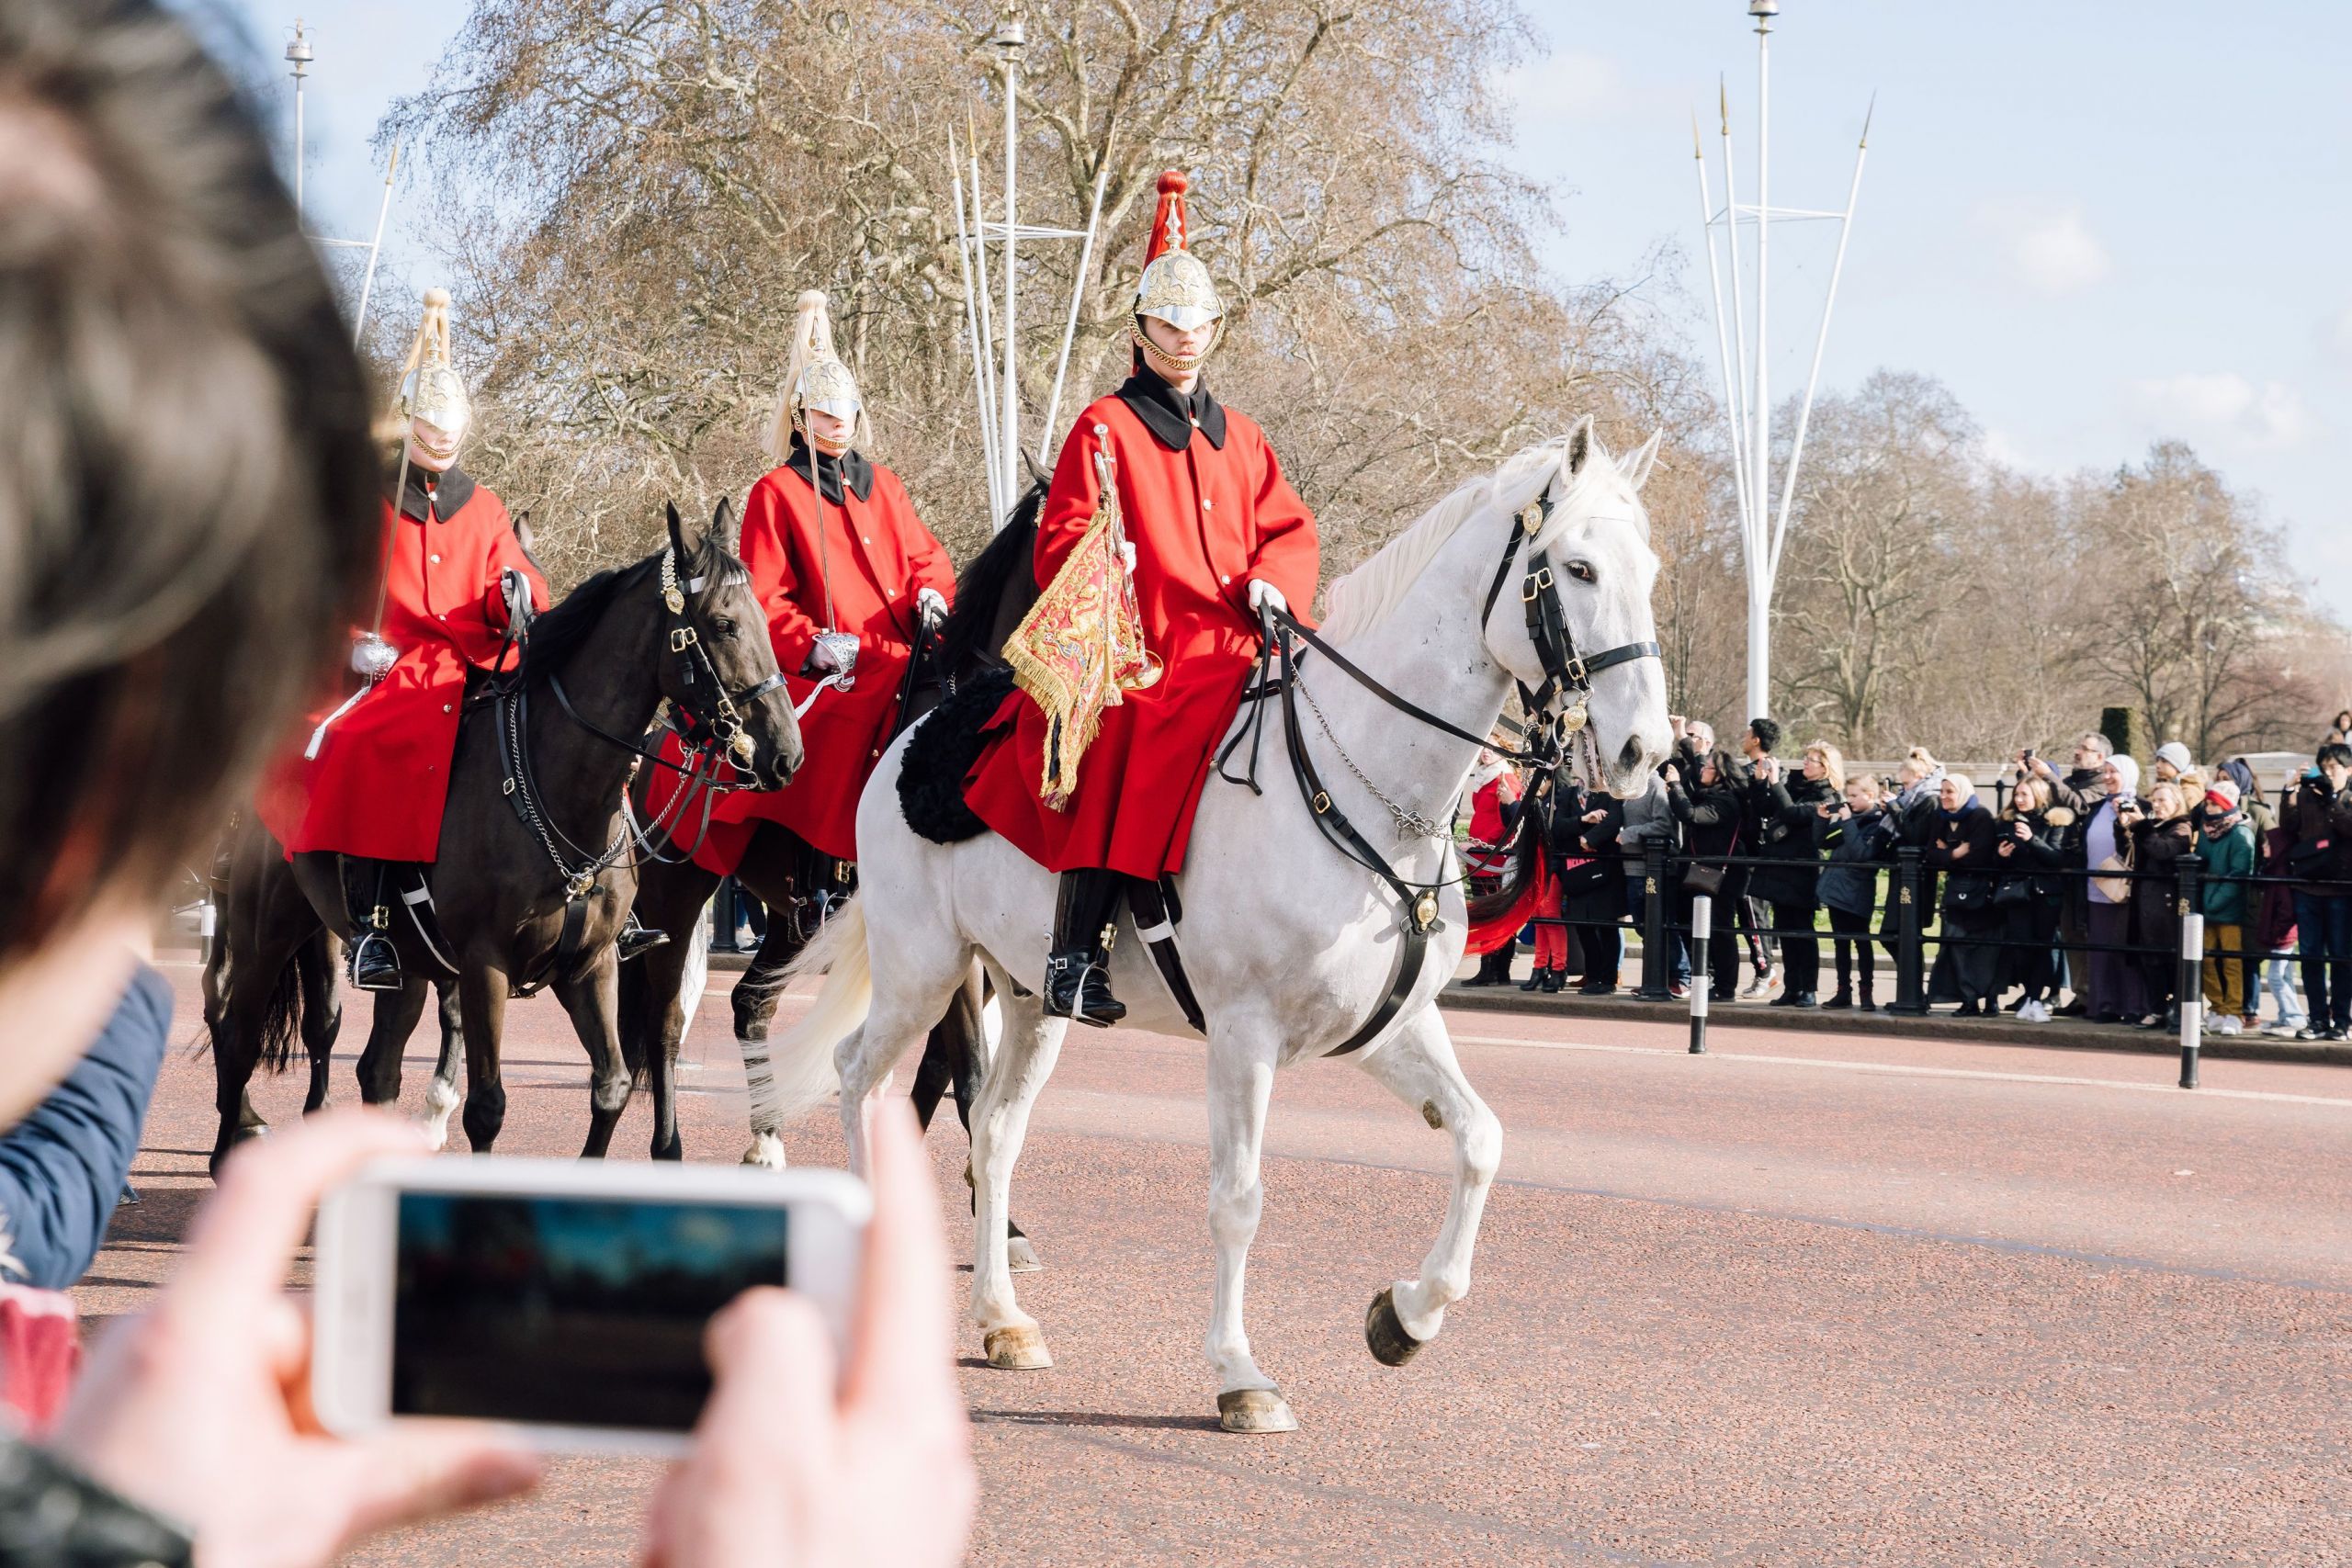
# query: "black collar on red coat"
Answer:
x=1170 y=414
x=830 y=470
x=449 y=493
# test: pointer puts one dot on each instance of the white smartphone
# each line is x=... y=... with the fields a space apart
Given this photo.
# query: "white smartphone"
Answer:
x=567 y=1298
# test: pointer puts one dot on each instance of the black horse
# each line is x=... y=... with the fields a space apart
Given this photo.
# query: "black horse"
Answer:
x=793 y=880
x=529 y=896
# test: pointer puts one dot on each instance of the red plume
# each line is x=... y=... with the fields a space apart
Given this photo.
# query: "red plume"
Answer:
x=1170 y=223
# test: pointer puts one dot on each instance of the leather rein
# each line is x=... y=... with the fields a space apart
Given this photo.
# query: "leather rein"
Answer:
x=1566 y=674
x=711 y=727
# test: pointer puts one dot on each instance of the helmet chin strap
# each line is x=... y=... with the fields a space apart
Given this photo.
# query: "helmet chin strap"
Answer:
x=1175 y=364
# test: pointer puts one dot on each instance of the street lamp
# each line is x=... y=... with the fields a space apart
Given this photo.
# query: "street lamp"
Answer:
x=298 y=55
x=1008 y=41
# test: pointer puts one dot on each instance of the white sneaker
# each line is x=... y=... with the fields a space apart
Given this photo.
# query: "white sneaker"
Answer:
x=2281 y=1030
x=2034 y=1013
x=2227 y=1024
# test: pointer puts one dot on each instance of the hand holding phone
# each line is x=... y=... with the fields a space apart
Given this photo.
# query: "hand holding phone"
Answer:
x=194 y=1409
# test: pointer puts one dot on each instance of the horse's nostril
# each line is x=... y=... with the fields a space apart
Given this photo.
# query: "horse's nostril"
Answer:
x=1630 y=755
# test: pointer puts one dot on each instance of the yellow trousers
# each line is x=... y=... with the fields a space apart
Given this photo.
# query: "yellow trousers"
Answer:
x=2224 y=974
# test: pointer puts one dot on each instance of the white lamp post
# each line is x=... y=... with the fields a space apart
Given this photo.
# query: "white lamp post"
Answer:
x=1747 y=408
x=298 y=55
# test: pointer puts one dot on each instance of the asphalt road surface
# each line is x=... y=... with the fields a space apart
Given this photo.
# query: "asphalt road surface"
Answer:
x=1852 y=1299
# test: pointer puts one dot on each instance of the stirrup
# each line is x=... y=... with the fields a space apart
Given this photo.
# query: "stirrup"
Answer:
x=636 y=938
x=1078 y=987
x=375 y=964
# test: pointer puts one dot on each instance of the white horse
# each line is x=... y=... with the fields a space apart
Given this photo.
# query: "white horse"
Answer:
x=1290 y=945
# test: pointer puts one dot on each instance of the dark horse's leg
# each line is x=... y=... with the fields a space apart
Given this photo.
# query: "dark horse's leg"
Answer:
x=267 y=921
x=322 y=1013
x=761 y=985
x=652 y=989
x=482 y=1001
x=593 y=1001
x=397 y=1014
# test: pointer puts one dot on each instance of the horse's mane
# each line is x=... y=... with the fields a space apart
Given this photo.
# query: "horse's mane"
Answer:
x=1353 y=604
x=557 y=635
x=967 y=636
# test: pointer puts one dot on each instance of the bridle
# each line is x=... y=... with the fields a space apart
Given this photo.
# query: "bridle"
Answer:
x=1568 y=677
x=707 y=719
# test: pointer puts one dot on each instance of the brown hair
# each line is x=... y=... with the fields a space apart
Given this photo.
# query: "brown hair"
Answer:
x=172 y=583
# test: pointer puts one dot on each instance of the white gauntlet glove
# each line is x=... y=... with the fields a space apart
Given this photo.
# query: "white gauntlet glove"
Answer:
x=1262 y=593
x=1127 y=554
x=930 y=604
x=823 y=661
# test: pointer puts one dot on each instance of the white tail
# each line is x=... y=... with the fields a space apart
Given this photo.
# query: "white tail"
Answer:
x=791 y=1075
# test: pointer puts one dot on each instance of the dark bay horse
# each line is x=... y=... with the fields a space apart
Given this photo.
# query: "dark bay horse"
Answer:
x=681 y=626
x=791 y=878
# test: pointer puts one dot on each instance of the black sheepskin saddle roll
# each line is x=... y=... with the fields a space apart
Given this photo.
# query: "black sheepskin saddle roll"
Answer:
x=943 y=751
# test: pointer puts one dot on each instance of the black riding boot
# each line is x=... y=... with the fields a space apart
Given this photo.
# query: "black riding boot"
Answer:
x=1077 y=971
x=375 y=963
x=636 y=938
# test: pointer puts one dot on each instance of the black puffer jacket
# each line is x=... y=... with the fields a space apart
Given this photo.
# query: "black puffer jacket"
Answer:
x=1781 y=818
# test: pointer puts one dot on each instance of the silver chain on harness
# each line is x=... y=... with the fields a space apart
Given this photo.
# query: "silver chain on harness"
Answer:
x=1410 y=824
x=577 y=884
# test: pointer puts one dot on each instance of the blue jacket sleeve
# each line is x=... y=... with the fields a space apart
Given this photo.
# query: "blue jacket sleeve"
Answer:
x=62 y=1167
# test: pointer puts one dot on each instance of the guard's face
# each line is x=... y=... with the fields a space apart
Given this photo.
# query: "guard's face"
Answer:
x=1179 y=344
x=829 y=432
x=432 y=448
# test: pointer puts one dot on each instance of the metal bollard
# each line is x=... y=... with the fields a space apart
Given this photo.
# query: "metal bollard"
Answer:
x=1656 y=964
x=2192 y=996
x=1702 y=979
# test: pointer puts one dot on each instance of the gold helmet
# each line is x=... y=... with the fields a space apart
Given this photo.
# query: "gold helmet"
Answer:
x=431 y=389
x=815 y=378
x=1175 y=287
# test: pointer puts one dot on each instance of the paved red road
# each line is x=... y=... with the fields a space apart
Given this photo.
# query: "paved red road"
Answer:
x=1802 y=1300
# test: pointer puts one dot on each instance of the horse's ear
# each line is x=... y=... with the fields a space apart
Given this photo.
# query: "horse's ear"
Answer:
x=1581 y=444
x=725 y=534
x=1637 y=464
x=678 y=542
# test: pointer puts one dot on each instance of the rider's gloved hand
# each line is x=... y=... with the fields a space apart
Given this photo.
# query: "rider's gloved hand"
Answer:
x=1262 y=593
x=516 y=587
x=930 y=604
x=821 y=661
x=1127 y=555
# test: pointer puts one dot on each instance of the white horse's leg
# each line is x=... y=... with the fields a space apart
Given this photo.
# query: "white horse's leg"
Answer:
x=1418 y=1066
x=441 y=1098
x=1023 y=1060
x=1241 y=1081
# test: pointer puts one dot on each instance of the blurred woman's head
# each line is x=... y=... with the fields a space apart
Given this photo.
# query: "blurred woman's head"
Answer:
x=2031 y=795
x=189 y=487
x=1955 y=792
x=2166 y=800
x=1823 y=761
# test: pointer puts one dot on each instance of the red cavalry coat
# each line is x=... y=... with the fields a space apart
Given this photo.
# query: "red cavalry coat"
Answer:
x=864 y=542
x=381 y=778
x=1207 y=508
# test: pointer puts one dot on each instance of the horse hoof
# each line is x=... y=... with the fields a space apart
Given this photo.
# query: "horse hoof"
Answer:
x=766 y=1151
x=1020 y=1349
x=1020 y=1257
x=1391 y=1346
x=1254 y=1411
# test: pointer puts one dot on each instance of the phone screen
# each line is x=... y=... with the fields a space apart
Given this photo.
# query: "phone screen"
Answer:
x=566 y=1311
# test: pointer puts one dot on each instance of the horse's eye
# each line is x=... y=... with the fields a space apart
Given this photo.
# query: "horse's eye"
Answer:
x=722 y=627
x=1582 y=572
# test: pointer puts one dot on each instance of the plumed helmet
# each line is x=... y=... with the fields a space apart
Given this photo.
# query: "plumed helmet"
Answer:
x=815 y=378
x=1175 y=287
x=431 y=388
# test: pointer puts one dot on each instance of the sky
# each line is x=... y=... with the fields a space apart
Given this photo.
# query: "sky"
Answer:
x=2100 y=225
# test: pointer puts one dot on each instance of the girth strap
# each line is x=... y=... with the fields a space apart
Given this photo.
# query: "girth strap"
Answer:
x=1157 y=913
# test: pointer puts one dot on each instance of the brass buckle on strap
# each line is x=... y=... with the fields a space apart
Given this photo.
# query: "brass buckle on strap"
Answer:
x=1539 y=582
x=1322 y=803
x=682 y=638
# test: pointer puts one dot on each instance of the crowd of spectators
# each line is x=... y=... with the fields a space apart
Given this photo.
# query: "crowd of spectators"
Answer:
x=2056 y=892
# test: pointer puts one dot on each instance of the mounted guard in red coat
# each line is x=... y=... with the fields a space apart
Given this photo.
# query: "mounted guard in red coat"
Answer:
x=369 y=777
x=849 y=575
x=1169 y=516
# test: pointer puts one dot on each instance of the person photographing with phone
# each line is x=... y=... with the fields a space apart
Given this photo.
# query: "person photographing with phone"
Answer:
x=186 y=581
